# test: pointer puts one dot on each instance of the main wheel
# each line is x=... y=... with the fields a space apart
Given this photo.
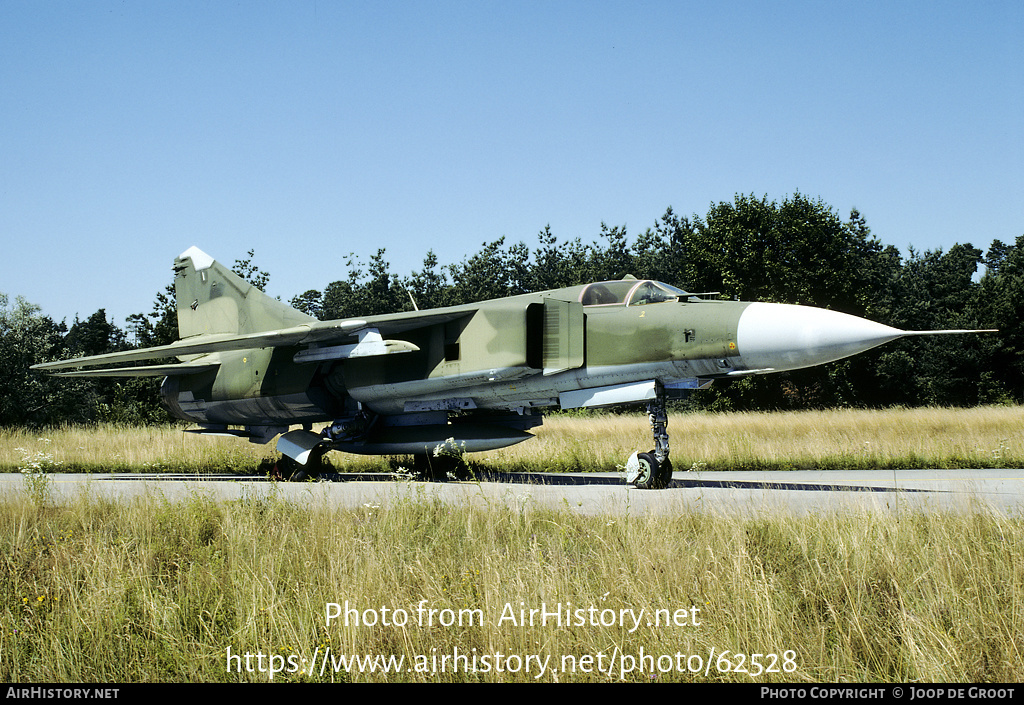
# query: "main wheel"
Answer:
x=433 y=468
x=292 y=470
x=285 y=468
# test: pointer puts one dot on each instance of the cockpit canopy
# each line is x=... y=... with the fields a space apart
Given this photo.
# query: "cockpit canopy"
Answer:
x=629 y=292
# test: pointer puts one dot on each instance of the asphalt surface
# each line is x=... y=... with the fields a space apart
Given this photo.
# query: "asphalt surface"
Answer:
x=747 y=492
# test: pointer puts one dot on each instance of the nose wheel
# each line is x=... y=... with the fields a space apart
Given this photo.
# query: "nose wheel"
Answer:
x=653 y=470
x=645 y=472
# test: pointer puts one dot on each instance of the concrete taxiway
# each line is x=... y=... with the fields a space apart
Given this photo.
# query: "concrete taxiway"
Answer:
x=746 y=492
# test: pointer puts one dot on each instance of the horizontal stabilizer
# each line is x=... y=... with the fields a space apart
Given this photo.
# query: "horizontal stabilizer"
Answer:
x=198 y=345
x=143 y=371
x=318 y=332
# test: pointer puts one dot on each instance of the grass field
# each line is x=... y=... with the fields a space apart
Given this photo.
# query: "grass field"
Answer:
x=199 y=590
x=852 y=439
x=154 y=590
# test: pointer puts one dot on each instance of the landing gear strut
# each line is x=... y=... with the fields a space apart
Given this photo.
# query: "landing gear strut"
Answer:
x=653 y=470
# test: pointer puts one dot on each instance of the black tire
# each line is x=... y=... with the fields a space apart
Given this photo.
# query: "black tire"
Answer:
x=285 y=468
x=441 y=468
x=291 y=470
x=648 y=477
x=653 y=475
x=430 y=468
x=665 y=474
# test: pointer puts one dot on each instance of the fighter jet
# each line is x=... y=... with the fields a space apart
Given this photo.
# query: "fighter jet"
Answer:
x=434 y=384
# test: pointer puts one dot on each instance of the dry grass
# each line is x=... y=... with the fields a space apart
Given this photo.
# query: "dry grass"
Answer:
x=111 y=448
x=152 y=590
x=901 y=438
x=158 y=591
x=931 y=437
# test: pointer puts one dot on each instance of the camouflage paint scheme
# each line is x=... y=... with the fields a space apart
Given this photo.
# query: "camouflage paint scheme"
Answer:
x=477 y=374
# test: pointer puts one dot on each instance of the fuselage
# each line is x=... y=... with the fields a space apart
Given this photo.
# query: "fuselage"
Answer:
x=524 y=352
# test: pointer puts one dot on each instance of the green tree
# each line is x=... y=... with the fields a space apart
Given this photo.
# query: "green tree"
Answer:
x=160 y=325
x=250 y=272
x=429 y=286
x=95 y=336
x=660 y=252
x=614 y=260
x=797 y=251
x=27 y=397
x=1000 y=304
x=559 y=265
x=311 y=303
x=379 y=293
x=491 y=273
x=383 y=293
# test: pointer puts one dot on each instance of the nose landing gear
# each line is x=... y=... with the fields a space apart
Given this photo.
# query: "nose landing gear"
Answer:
x=653 y=470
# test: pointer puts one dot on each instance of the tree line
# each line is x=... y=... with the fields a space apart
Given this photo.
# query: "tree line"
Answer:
x=796 y=251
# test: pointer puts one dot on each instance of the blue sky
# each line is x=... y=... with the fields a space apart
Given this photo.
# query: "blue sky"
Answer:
x=305 y=130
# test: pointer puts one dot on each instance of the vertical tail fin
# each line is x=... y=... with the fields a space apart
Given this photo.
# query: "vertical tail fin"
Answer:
x=213 y=299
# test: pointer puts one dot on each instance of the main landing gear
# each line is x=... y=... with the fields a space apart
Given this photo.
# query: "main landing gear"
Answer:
x=285 y=468
x=433 y=467
x=440 y=468
x=653 y=470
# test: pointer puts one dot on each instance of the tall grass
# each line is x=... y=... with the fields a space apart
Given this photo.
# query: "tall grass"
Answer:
x=116 y=448
x=151 y=590
x=850 y=439
x=842 y=438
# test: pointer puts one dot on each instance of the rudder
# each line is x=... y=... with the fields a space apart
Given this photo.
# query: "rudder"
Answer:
x=213 y=299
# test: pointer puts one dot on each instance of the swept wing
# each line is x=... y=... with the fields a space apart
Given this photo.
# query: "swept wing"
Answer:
x=315 y=336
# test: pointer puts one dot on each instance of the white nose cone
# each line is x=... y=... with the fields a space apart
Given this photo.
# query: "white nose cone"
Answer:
x=787 y=337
